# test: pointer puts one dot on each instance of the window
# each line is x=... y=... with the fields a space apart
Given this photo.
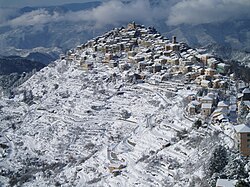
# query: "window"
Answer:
x=248 y=135
x=248 y=140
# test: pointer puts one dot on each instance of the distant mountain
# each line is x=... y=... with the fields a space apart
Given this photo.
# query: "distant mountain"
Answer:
x=228 y=53
x=63 y=8
x=15 y=69
x=44 y=58
x=39 y=54
x=229 y=40
x=52 y=34
x=15 y=64
x=233 y=34
x=66 y=34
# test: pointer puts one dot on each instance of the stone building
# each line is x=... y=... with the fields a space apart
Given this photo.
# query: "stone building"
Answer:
x=243 y=137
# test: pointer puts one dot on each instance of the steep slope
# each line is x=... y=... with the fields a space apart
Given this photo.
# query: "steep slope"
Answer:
x=68 y=126
x=14 y=70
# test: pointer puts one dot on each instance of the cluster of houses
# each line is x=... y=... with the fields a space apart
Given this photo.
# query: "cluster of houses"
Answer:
x=243 y=130
x=147 y=51
x=143 y=51
x=132 y=47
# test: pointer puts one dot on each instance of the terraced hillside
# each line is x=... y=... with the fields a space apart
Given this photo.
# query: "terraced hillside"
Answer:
x=71 y=127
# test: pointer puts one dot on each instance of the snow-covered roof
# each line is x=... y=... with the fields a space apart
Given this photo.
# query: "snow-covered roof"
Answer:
x=210 y=69
x=205 y=82
x=219 y=111
x=222 y=104
x=239 y=95
x=247 y=103
x=158 y=60
x=195 y=103
x=168 y=51
x=216 y=80
x=207 y=98
x=212 y=60
x=242 y=128
x=176 y=44
x=226 y=183
x=142 y=62
x=222 y=116
x=88 y=62
x=222 y=64
x=246 y=91
x=211 y=95
x=206 y=105
x=156 y=64
x=190 y=57
x=207 y=55
x=164 y=57
x=190 y=50
x=190 y=105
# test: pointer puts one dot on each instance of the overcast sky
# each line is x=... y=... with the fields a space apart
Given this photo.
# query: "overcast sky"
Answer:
x=114 y=12
x=23 y=3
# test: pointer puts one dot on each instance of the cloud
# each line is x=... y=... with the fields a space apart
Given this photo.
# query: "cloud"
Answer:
x=116 y=13
x=208 y=11
x=23 y=3
x=113 y=12
x=36 y=17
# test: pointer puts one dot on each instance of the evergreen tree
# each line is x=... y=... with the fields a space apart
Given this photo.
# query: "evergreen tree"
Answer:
x=218 y=160
x=235 y=168
x=242 y=183
x=242 y=112
x=197 y=124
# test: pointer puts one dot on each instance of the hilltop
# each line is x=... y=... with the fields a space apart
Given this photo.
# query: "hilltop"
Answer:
x=61 y=22
x=130 y=108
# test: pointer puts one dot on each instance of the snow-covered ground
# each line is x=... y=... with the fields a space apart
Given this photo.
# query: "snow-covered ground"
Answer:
x=70 y=127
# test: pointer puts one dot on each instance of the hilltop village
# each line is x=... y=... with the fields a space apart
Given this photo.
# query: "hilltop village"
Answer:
x=128 y=108
x=143 y=55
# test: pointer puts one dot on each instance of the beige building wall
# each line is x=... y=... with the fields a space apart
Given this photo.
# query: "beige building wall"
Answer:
x=206 y=111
